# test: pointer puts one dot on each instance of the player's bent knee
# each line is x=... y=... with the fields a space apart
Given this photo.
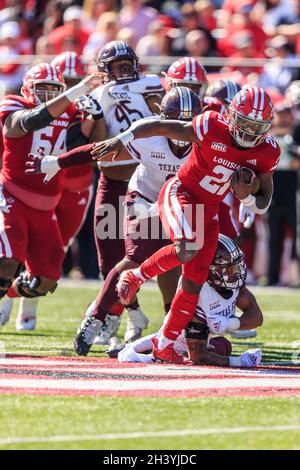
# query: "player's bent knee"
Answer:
x=184 y=253
x=8 y=270
x=34 y=286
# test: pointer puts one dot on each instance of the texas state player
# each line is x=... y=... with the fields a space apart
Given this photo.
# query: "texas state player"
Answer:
x=29 y=233
x=221 y=146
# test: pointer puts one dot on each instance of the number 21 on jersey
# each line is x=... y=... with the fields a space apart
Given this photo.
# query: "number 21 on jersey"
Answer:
x=217 y=184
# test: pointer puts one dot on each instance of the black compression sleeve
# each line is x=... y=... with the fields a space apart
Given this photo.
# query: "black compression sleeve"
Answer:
x=75 y=137
x=35 y=119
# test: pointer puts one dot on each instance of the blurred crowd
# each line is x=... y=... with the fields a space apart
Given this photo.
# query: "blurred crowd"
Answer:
x=159 y=31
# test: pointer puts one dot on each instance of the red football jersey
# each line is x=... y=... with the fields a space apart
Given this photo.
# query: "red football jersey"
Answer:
x=213 y=159
x=51 y=139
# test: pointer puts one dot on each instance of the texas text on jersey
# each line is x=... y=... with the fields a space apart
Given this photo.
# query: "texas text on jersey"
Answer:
x=210 y=165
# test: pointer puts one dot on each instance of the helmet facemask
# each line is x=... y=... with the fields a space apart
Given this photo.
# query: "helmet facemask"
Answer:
x=229 y=275
x=42 y=95
x=245 y=131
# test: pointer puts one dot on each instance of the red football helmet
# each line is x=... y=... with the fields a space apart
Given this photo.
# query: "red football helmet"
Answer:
x=70 y=65
x=44 y=74
x=188 y=72
x=251 y=116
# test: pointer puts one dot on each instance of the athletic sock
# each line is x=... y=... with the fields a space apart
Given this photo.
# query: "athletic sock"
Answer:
x=182 y=311
x=133 y=306
x=161 y=261
x=28 y=307
x=107 y=298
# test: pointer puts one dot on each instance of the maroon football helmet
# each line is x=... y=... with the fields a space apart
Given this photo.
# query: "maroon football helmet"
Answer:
x=180 y=103
x=183 y=104
x=116 y=51
x=223 y=90
x=228 y=269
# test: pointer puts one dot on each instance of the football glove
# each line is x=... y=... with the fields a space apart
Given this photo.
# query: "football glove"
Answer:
x=217 y=324
x=251 y=358
x=246 y=217
x=90 y=105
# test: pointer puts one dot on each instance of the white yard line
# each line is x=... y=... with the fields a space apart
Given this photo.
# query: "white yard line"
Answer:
x=145 y=435
x=246 y=384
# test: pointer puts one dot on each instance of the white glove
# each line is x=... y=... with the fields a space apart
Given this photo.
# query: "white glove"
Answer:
x=217 y=324
x=40 y=163
x=4 y=207
x=90 y=105
x=251 y=358
x=246 y=217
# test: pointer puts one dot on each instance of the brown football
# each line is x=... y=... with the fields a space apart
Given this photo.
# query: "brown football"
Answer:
x=248 y=174
x=220 y=345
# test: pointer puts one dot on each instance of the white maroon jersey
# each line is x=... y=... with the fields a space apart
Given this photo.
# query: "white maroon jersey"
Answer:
x=213 y=158
x=51 y=139
x=157 y=164
x=211 y=303
x=122 y=108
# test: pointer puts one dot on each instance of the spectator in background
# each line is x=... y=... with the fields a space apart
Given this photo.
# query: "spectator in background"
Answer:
x=275 y=74
x=205 y=10
x=127 y=35
x=157 y=42
x=44 y=47
x=11 y=74
x=53 y=16
x=93 y=9
x=243 y=20
x=245 y=49
x=197 y=45
x=190 y=23
x=135 y=15
x=282 y=213
x=106 y=31
x=71 y=31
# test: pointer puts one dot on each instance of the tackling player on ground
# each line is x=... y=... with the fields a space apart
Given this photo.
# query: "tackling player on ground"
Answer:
x=221 y=294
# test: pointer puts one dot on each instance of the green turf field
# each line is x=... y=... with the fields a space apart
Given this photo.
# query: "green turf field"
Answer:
x=208 y=423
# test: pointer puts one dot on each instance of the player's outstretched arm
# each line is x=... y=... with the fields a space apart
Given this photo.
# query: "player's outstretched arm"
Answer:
x=51 y=165
x=252 y=316
x=144 y=128
x=19 y=123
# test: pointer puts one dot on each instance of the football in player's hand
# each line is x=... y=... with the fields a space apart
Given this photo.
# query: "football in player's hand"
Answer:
x=246 y=175
x=220 y=345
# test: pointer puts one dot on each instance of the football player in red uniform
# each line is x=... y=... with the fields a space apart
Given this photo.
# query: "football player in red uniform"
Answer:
x=188 y=72
x=76 y=197
x=189 y=201
x=29 y=232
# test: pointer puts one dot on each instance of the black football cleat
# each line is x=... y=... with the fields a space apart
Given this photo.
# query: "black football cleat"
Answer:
x=86 y=334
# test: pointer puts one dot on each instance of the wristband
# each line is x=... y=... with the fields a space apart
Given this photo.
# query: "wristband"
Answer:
x=76 y=91
x=126 y=137
x=235 y=361
x=233 y=324
x=249 y=200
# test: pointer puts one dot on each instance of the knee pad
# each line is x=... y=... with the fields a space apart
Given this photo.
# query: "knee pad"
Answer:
x=4 y=286
x=28 y=287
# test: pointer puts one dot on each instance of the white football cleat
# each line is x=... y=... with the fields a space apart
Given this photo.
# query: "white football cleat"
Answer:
x=108 y=330
x=243 y=334
x=5 y=311
x=136 y=323
x=251 y=358
x=25 y=324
